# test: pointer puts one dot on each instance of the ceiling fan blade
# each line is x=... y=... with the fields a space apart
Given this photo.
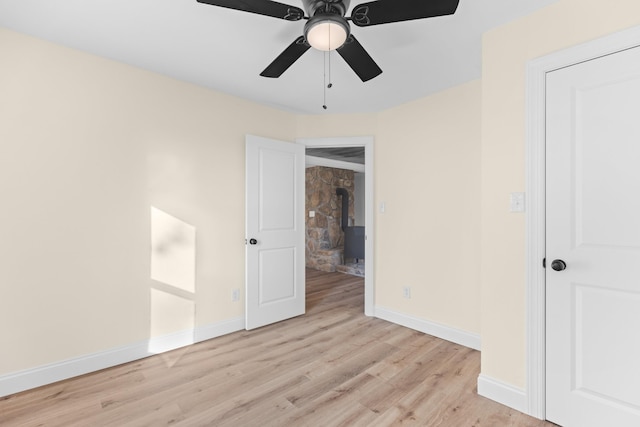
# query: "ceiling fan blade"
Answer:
x=386 y=11
x=261 y=7
x=358 y=59
x=286 y=59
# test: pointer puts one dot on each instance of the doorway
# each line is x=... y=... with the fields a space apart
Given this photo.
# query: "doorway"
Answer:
x=367 y=144
x=335 y=203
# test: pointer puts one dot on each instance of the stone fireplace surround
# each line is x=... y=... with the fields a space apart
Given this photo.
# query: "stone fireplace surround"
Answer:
x=324 y=236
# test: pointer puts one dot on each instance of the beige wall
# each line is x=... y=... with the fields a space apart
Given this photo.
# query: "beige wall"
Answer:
x=86 y=146
x=336 y=125
x=428 y=174
x=427 y=171
x=506 y=51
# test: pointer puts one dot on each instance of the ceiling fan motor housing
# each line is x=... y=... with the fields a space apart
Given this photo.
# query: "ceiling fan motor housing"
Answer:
x=326 y=31
x=326 y=18
x=313 y=7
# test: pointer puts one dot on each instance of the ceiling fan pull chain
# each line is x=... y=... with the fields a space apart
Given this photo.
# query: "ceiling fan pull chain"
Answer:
x=324 y=82
x=330 y=85
x=327 y=64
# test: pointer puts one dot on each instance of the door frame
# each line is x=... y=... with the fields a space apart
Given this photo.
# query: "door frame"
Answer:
x=367 y=143
x=537 y=70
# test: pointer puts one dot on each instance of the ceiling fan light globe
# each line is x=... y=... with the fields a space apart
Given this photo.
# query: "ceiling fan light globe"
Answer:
x=326 y=34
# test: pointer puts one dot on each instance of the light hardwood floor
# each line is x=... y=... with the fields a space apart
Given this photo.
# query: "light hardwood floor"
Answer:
x=330 y=367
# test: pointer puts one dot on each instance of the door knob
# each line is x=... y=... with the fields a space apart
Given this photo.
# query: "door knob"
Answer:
x=253 y=241
x=558 y=265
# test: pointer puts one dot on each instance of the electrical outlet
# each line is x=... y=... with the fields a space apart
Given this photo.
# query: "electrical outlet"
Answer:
x=406 y=292
x=235 y=295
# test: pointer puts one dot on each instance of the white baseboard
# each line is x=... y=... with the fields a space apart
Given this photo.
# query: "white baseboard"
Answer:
x=43 y=375
x=503 y=393
x=448 y=333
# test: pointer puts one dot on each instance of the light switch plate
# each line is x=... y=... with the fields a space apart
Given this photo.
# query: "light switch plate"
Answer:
x=516 y=202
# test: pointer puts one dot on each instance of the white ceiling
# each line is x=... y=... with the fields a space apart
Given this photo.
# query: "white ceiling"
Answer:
x=226 y=49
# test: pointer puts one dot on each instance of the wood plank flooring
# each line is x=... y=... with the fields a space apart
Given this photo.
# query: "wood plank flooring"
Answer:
x=330 y=367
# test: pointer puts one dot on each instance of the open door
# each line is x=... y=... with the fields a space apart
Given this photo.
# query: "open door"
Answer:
x=275 y=269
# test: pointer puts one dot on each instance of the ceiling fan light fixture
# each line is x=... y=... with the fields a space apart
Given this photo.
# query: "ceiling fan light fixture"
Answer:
x=326 y=32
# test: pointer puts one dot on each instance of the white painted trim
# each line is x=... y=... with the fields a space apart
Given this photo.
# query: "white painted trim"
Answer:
x=535 y=186
x=444 y=332
x=215 y=330
x=535 y=241
x=367 y=143
x=54 y=372
x=346 y=141
x=502 y=393
x=331 y=163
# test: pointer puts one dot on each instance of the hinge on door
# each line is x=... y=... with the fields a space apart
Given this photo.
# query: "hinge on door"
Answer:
x=544 y=263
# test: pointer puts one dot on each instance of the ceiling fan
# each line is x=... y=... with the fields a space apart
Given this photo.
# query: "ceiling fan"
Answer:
x=328 y=29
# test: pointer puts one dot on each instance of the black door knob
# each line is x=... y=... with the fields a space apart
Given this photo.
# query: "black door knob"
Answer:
x=558 y=265
x=253 y=241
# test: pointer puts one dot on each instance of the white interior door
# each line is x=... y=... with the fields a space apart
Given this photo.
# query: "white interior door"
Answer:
x=593 y=226
x=275 y=269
